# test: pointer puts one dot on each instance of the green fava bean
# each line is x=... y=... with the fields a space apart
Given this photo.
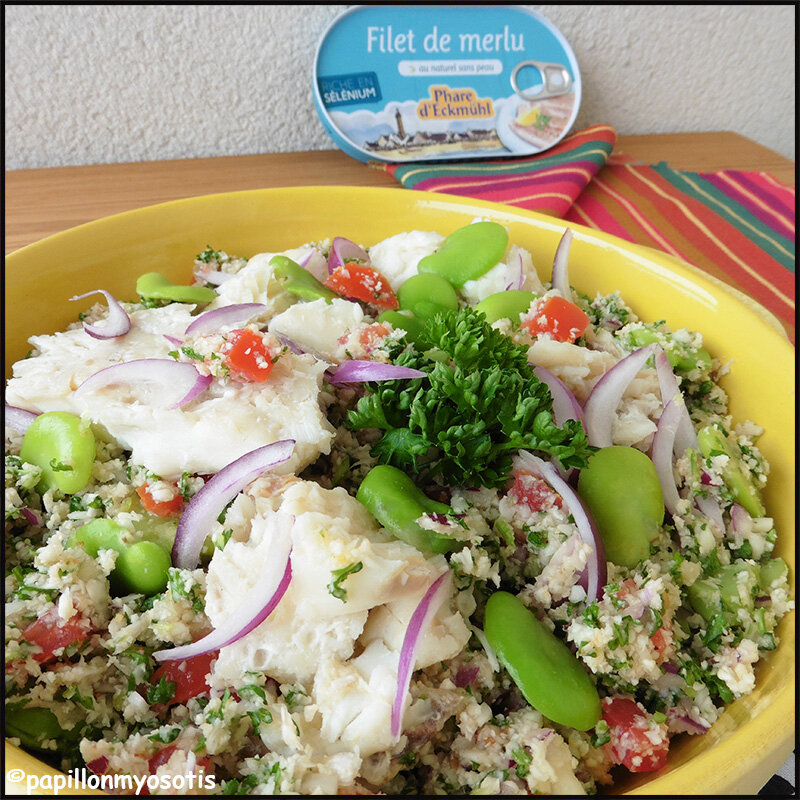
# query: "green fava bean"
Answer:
x=299 y=281
x=100 y=534
x=738 y=592
x=427 y=294
x=467 y=253
x=704 y=596
x=771 y=571
x=506 y=305
x=410 y=324
x=549 y=676
x=64 y=447
x=143 y=567
x=620 y=486
x=155 y=286
x=684 y=362
x=393 y=499
x=712 y=442
x=33 y=726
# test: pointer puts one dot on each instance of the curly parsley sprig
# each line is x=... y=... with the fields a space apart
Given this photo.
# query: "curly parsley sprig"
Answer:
x=478 y=406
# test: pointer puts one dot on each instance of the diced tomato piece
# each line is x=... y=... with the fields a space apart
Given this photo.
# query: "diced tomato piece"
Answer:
x=359 y=282
x=373 y=335
x=558 y=318
x=161 y=757
x=637 y=741
x=248 y=356
x=161 y=508
x=189 y=676
x=530 y=491
x=51 y=633
x=164 y=755
x=659 y=640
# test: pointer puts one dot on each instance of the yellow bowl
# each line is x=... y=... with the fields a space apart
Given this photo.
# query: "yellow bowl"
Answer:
x=755 y=734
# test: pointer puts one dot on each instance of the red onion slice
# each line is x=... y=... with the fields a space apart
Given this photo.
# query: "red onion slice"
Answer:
x=681 y=723
x=217 y=318
x=712 y=510
x=559 y=279
x=565 y=404
x=662 y=452
x=258 y=604
x=204 y=508
x=342 y=251
x=668 y=383
x=465 y=676
x=173 y=339
x=685 y=436
x=596 y=568
x=356 y=371
x=98 y=765
x=178 y=378
x=515 y=274
x=565 y=407
x=740 y=518
x=19 y=418
x=118 y=323
x=601 y=405
x=213 y=277
x=32 y=518
x=420 y=621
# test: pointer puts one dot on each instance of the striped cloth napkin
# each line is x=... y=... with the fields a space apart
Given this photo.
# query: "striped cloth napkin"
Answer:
x=737 y=226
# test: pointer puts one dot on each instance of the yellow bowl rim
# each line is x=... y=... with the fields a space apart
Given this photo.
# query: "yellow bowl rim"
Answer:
x=737 y=748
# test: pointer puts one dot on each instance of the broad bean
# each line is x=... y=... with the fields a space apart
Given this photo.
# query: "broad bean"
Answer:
x=549 y=676
x=299 y=281
x=770 y=571
x=34 y=726
x=713 y=442
x=738 y=593
x=393 y=499
x=155 y=286
x=506 y=305
x=467 y=253
x=620 y=486
x=407 y=322
x=680 y=359
x=141 y=567
x=705 y=598
x=64 y=447
x=426 y=294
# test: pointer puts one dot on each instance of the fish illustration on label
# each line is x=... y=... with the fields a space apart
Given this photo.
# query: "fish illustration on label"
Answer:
x=414 y=83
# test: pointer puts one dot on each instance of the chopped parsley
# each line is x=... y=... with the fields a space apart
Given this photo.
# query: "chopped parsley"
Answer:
x=478 y=406
x=161 y=692
x=337 y=578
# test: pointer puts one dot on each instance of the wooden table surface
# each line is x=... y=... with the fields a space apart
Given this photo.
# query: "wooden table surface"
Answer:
x=40 y=202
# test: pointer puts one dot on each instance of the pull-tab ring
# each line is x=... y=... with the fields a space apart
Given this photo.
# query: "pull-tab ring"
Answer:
x=556 y=80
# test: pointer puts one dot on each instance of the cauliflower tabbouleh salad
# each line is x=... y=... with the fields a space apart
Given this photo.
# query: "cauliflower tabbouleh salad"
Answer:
x=394 y=520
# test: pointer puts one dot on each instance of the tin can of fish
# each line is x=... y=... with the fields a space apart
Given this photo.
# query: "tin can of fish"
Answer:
x=423 y=83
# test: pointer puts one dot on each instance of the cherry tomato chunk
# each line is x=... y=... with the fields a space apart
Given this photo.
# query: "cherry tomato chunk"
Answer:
x=161 y=508
x=360 y=282
x=189 y=675
x=558 y=318
x=248 y=356
x=530 y=491
x=52 y=633
x=637 y=741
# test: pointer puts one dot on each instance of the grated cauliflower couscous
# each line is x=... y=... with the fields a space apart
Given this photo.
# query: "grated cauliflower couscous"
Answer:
x=310 y=700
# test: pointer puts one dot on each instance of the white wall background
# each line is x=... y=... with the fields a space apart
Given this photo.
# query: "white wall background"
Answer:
x=102 y=84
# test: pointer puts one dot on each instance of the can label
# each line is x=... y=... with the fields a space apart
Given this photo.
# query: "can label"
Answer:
x=417 y=83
